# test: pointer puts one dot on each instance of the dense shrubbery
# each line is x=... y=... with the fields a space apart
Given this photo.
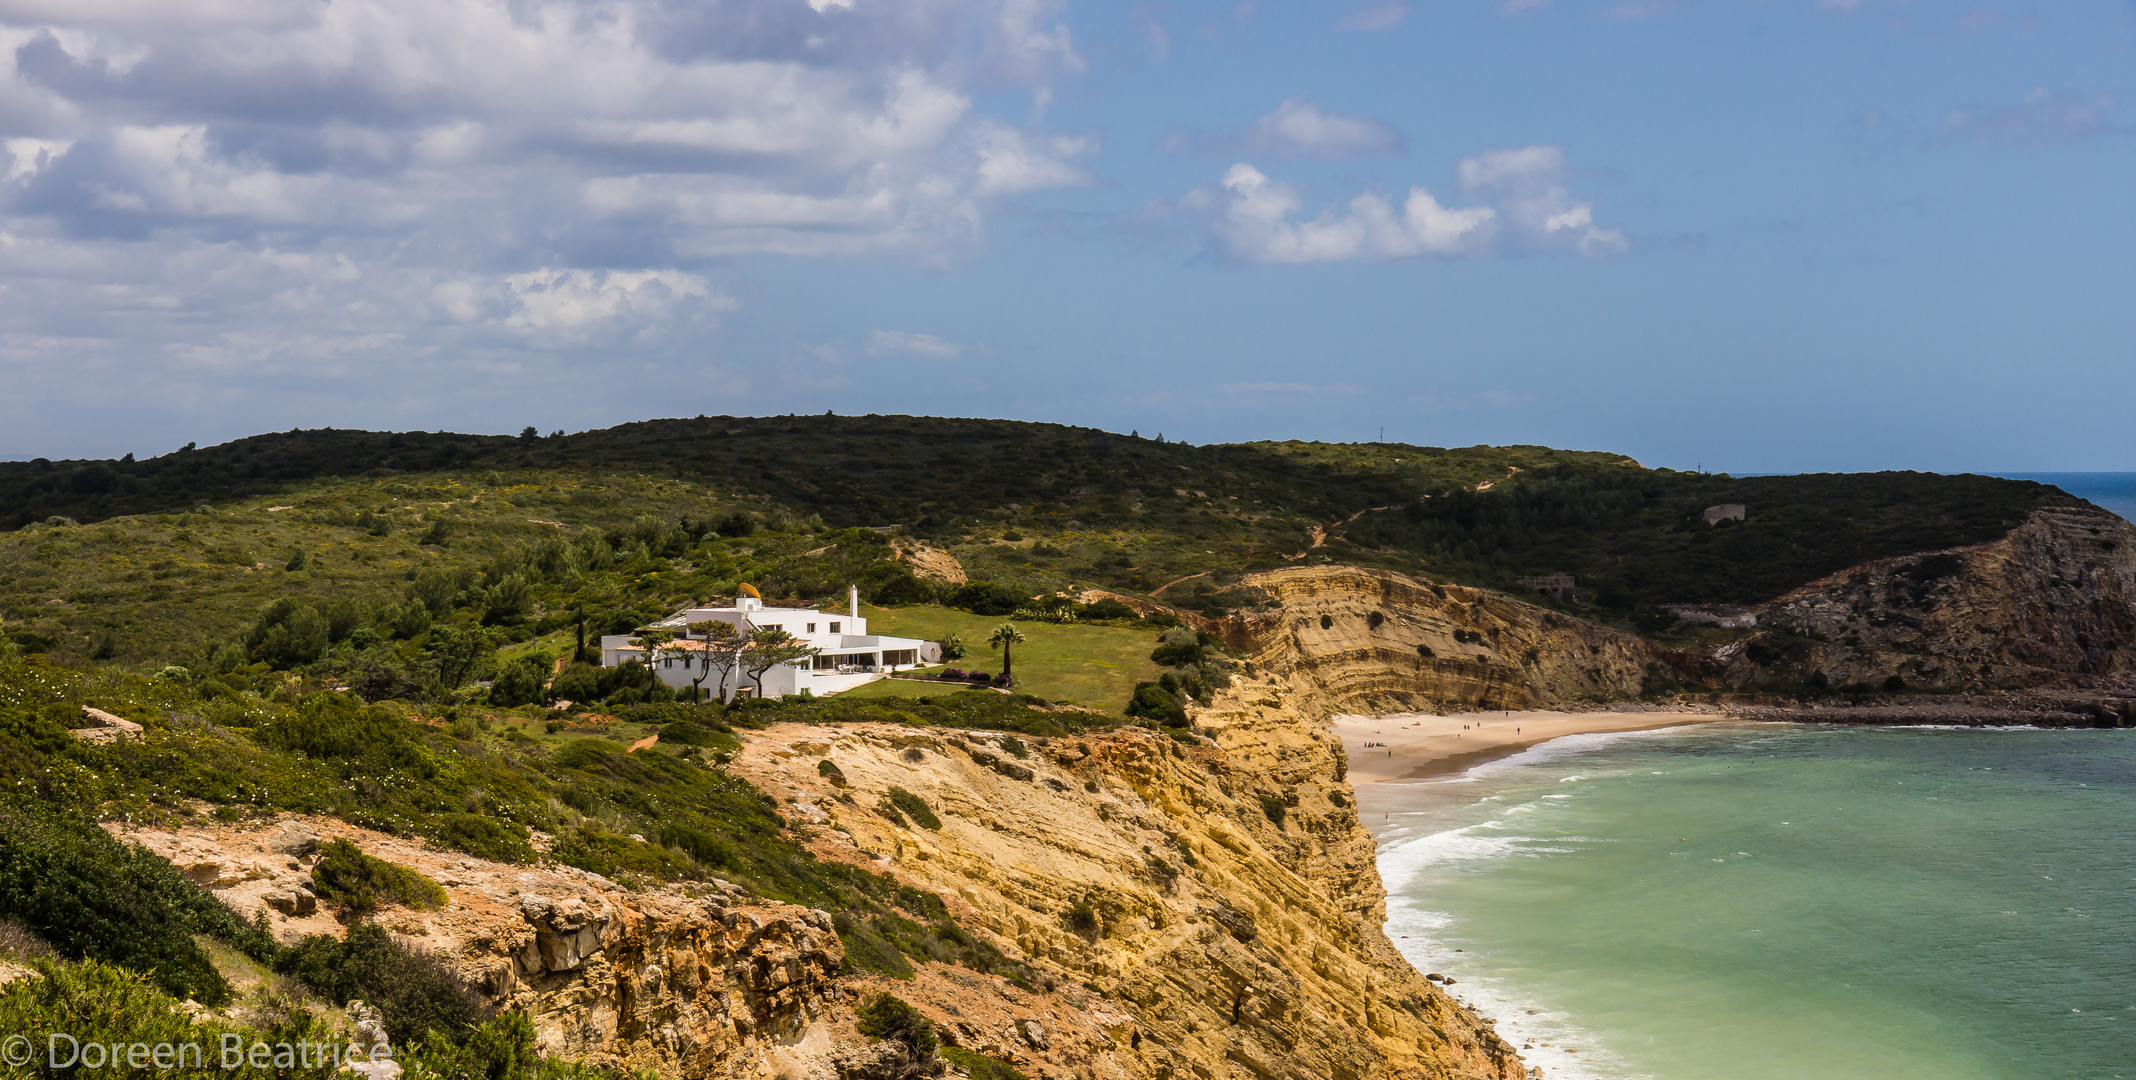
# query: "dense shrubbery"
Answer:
x=91 y=897
x=100 y=1004
x=1636 y=537
x=980 y=1066
x=361 y=883
x=1153 y=702
x=414 y=991
x=887 y=1017
x=986 y=598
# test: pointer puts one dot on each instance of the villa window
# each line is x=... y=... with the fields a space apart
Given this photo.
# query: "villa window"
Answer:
x=834 y=628
x=812 y=628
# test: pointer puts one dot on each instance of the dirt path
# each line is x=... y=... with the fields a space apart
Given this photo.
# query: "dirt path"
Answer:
x=1161 y=588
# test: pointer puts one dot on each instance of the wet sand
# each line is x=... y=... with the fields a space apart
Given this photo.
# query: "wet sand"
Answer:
x=1419 y=745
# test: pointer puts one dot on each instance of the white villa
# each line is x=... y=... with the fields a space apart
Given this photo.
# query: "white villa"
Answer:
x=847 y=655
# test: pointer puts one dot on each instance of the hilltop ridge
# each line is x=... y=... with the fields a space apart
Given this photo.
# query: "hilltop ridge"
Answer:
x=1032 y=507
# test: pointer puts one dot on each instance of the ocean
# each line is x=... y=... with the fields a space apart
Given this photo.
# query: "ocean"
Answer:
x=2115 y=491
x=1783 y=902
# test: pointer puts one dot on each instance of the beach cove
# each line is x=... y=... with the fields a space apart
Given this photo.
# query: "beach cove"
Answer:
x=1687 y=897
x=1414 y=746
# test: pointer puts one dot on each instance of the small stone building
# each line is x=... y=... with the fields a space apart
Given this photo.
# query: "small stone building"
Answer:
x=1562 y=586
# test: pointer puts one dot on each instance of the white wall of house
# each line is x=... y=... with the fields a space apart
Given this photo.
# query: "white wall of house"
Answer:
x=847 y=656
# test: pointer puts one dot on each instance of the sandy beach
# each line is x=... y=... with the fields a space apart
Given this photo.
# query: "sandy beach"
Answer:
x=1408 y=746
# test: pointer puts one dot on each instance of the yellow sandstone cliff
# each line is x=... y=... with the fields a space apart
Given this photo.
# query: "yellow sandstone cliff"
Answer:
x=1191 y=911
x=1222 y=941
x=1352 y=639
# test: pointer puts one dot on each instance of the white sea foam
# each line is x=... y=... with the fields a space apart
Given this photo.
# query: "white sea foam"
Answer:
x=1428 y=937
x=1419 y=934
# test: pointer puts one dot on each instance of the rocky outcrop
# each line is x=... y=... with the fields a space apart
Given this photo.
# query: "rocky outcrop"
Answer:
x=2050 y=604
x=1207 y=910
x=693 y=981
x=99 y=726
x=1359 y=640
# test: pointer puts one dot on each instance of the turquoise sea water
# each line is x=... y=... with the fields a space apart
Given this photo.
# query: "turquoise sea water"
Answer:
x=1758 y=902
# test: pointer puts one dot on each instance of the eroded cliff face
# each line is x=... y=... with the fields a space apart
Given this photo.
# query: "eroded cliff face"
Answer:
x=1206 y=910
x=1220 y=942
x=2052 y=603
x=689 y=981
x=1377 y=641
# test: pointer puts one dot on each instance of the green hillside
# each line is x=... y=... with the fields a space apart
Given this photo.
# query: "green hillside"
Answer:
x=335 y=552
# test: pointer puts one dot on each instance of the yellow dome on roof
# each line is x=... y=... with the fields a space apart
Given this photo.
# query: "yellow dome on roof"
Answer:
x=750 y=590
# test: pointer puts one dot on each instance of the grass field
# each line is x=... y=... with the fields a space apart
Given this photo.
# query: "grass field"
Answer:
x=1089 y=665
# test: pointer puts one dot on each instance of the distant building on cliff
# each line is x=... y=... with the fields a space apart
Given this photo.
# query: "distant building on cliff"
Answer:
x=1562 y=586
x=1724 y=512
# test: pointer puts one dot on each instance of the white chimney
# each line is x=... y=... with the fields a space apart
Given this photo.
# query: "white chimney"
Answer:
x=853 y=601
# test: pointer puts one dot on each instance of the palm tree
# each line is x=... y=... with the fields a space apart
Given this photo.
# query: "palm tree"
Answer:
x=1004 y=636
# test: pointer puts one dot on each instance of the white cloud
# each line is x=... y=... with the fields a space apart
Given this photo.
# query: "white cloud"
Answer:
x=1256 y=225
x=1300 y=128
x=1528 y=187
x=28 y=157
x=236 y=185
x=1375 y=18
x=1011 y=160
x=573 y=300
x=900 y=343
x=1523 y=205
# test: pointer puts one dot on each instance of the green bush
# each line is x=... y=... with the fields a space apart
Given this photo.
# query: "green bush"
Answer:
x=986 y=598
x=415 y=992
x=499 y=1049
x=360 y=883
x=99 y=1004
x=92 y=898
x=886 y=1016
x=522 y=682
x=1177 y=653
x=980 y=1066
x=608 y=854
x=44 y=729
x=1106 y=608
x=708 y=850
x=866 y=950
x=1082 y=918
x=830 y=771
x=1152 y=702
x=914 y=806
x=483 y=837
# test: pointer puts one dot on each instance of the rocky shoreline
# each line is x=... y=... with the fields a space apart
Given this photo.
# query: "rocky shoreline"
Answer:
x=2013 y=709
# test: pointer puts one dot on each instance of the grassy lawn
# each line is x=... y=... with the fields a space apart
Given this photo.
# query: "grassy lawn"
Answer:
x=1088 y=665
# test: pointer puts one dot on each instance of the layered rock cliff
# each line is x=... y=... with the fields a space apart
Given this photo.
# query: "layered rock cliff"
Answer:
x=688 y=980
x=1211 y=910
x=2050 y=606
x=1204 y=910
x=1377 y=641
x=2052 y=603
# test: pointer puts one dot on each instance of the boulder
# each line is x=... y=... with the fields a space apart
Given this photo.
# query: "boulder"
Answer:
x=1033 y=1033
x=295 y=903
x=293 y=838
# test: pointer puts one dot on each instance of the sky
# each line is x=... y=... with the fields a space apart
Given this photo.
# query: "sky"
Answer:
x=1741 y=235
